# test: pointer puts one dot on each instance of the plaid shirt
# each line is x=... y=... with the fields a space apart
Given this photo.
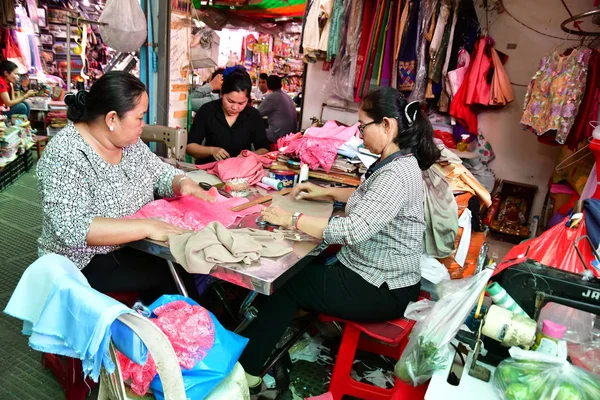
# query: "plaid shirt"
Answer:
x=382 y=231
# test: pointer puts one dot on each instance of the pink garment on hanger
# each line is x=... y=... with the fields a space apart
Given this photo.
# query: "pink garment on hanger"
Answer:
x=248 y=165
x=456 y=77
x=191 y=332
x=189 y=212
x=319 y=146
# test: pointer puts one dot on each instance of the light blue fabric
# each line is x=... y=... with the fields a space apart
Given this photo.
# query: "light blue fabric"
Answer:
x=63 y=314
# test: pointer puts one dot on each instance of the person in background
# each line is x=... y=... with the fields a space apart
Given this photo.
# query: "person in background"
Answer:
x=209 y=91
x=377 y=271
x=261 y=89
x=97 y=171
x=224 y=127
x=280 y=111
x=16 y=104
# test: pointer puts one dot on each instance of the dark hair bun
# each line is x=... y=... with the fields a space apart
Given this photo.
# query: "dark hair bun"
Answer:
x=76 y=104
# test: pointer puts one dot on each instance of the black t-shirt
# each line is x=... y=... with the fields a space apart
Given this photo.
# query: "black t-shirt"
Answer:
x=210 y=124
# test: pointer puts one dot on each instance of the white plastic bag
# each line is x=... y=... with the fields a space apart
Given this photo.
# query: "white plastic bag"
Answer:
x=127 y=27
x=530 y=375
x=427 y=349
x=433 y=270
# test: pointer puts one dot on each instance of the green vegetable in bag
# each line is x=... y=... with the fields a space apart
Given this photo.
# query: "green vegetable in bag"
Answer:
x=518 y=391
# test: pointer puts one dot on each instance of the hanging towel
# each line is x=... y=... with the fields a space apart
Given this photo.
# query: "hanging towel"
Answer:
x=199 y=252
x=63 y=315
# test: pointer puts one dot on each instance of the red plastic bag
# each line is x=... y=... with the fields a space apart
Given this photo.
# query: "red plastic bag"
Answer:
x=445 y=137
x=554 y=248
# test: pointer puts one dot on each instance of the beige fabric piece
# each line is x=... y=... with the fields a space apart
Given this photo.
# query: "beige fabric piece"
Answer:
x=462 y=180
x=320 y=209
x=198 y=252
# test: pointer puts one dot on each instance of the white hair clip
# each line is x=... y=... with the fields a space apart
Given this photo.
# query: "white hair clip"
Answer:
x=406 y=110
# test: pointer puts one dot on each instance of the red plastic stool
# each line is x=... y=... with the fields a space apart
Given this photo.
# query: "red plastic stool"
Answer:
x=391 y=338
x=68 y=371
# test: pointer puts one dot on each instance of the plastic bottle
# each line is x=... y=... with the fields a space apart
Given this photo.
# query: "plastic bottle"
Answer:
x=547 y=339
x=501 y=298
x=463 y=145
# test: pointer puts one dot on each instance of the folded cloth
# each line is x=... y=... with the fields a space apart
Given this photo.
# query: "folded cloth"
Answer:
x=199 y=252
x=189 y=212
x=248 y=165
x=441 y=215
x=462 y=180
x=64 y=315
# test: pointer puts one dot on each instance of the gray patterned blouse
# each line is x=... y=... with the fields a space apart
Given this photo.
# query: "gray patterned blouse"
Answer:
x=77 y=185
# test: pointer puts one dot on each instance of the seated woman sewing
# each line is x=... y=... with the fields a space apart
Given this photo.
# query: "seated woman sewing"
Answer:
x=377 y=272
x=95 y=172
x=229 y=124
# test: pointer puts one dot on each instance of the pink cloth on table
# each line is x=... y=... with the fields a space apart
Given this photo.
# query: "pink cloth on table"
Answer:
x=319 y=146
x=189 y=212
x=191 y=332
x=249 y=166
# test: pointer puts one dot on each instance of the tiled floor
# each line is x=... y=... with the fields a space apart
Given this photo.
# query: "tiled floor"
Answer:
x=21 y=374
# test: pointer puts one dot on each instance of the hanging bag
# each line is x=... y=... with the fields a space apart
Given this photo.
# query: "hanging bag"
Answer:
x=127 y=28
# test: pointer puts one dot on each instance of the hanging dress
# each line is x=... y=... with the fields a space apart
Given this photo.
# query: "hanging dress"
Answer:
x=555 y=93
x=407 y=60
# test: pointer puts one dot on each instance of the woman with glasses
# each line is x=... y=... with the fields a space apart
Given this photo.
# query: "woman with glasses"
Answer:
x=377 y=271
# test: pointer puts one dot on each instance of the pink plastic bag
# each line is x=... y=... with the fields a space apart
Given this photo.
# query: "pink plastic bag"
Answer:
x=191 y=332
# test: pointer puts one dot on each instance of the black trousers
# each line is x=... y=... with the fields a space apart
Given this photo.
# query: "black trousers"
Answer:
x=334 y=290
x=131 y=270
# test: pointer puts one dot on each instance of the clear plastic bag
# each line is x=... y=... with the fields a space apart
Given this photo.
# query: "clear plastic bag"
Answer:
x=127 y=27
x=529 y=375
x=339 y=84
x=437 y=324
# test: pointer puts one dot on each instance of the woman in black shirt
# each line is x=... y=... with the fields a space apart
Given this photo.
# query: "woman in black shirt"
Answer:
x=229 y=125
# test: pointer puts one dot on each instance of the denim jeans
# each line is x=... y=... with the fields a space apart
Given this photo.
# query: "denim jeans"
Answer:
x=21 y=108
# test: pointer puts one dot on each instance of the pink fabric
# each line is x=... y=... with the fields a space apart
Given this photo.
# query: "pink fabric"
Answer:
x=318 y=147
x=189 y=212
x=191 y=332
x=249 y=166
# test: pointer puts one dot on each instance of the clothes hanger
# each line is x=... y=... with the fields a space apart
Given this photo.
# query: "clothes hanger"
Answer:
x=560 y=166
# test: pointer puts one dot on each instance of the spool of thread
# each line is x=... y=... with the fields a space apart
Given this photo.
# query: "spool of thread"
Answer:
x=509 y=328
x=303 y=173
x=501 y=298
x=272 y=182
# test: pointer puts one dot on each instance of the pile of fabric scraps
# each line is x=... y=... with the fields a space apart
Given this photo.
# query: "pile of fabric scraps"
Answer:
x=199 y=252
x=189 y=212
x=248 y=165
x=318 y=147
x=63 y=315
x=460 y=178
x=191 y=332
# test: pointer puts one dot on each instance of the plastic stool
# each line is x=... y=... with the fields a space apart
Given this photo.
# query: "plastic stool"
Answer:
x=390 y=339
x=68 y=371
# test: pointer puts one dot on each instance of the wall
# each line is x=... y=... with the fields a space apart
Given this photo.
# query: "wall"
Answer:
x=519 y=156
x=179 y=62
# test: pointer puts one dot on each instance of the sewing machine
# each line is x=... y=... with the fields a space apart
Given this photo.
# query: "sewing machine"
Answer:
x=533 y=285
x=174 y=141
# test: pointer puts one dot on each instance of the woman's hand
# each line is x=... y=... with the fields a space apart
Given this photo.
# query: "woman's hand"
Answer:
x=30 y=93
x=160 y=230
x=219 y=153
x=277 y=216
x=310 y=191
x=187 y=187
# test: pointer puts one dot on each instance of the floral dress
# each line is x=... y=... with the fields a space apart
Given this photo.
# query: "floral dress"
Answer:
x=555 y=93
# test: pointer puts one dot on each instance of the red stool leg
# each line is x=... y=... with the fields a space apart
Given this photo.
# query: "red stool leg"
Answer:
x=343 y=362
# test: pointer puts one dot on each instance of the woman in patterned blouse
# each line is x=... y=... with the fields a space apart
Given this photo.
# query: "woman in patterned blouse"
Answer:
x=377 y=271
x=97 y=171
